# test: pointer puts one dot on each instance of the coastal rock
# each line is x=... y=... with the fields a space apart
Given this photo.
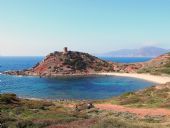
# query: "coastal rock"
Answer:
x=69 y=63
x=84 y=106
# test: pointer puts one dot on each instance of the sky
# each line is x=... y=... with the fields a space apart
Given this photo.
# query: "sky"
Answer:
x=38 y=27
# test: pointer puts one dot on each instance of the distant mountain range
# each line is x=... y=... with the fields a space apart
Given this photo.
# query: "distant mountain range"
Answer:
x=141 y=52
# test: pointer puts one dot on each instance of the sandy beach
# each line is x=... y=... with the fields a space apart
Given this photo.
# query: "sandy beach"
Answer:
x=148 y=77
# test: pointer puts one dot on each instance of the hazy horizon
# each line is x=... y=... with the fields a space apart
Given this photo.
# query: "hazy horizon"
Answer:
x=36 y=28
x=95 y=54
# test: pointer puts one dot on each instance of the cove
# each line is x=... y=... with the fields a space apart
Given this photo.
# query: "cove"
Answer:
x=90 y=87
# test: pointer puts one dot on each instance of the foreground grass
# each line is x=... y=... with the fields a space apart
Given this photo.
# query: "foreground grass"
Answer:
x=113 y=122
x=22 y=113
x=15 y=112
x=152 y=97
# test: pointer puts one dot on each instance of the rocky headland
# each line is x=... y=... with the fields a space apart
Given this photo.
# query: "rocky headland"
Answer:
x=68 y=63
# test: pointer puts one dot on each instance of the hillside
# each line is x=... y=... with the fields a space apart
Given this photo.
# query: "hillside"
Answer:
x=158 y=65
x=141 y=52
x=152 y=97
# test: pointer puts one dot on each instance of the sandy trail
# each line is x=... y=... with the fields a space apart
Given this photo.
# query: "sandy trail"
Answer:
x=141 y=112
x=148 y=77
x=138 y=111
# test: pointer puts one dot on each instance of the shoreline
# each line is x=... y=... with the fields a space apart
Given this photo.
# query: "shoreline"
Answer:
x=147 y=77
x=54 y=100
x=159 y=79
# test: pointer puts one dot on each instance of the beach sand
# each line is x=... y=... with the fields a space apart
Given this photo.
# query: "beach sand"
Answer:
x=148 y=77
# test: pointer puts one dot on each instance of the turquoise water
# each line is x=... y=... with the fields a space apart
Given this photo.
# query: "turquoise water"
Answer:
x=94 y=87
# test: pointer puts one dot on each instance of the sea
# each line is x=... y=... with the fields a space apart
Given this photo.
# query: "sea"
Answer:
x=79 y=88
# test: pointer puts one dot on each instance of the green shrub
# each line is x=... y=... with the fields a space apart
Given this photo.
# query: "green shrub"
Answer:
x=8 y=98
x=111 y=122
x=32 y=104
x=5 y=118
x=79 y=64
x=165 y=70
x=127 y=94
x=131 y=100
x=24 y=124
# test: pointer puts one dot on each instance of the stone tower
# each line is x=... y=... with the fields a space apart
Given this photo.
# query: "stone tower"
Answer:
x=65 y=50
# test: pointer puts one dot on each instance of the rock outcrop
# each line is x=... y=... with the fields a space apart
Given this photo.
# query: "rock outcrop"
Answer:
x=78 y=63
x=84 y=106
x=68 y=63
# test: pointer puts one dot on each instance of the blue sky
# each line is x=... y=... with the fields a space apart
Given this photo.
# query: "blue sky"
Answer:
x=37 y=27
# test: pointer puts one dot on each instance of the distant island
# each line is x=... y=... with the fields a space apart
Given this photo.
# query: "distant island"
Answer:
x=77 y=63
x=141 y=52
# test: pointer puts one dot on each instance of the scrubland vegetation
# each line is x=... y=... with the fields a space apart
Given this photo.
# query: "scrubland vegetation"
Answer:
x=151 y=97
x=157 y=66
x=24 y=113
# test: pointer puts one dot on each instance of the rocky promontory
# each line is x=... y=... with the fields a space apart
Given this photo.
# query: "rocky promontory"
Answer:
x=67 y=63
x=79 y=63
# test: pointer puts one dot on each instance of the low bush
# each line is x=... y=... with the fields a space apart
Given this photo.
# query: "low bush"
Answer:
x=131 y=100
x=32 y=104
x=24 y=124
x=127 y=94
x=8 y=98
x=111 y=122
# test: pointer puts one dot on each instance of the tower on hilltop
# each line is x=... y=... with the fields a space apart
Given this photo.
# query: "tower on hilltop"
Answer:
x=65 y=50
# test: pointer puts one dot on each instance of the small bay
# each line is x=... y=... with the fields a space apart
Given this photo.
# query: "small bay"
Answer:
x=91 y=87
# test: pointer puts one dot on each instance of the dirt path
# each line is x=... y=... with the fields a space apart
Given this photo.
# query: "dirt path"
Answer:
x=137 y=111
